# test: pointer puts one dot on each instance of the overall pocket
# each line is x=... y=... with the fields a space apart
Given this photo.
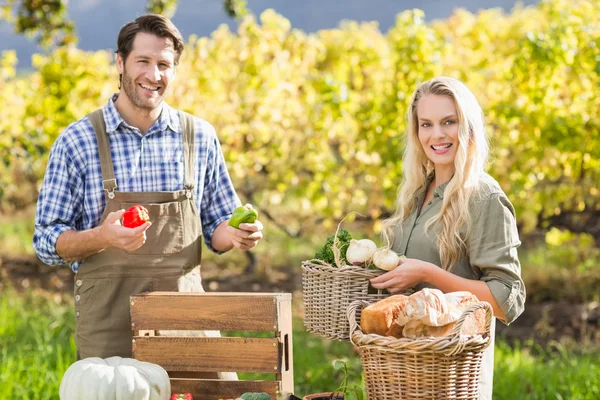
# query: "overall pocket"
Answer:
x=83 y=294
x=166 y=234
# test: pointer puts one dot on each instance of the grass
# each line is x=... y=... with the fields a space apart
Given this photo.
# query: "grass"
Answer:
x=36 y=348
x=36 y=344
x=545 y=374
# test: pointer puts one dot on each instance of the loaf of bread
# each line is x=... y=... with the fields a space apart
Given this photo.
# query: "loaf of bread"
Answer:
x=379 y=316
x=428 y=306
x=428 y=312
x=474 y=324
x=457 y=303
x=416 y=329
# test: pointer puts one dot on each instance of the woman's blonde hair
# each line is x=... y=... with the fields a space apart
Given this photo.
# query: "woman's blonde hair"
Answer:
x=469 y=165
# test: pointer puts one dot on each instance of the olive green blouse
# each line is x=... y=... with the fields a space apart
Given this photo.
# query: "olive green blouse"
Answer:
x=491 y=252
x=491 y=246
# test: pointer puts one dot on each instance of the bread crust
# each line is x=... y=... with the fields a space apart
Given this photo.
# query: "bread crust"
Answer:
x=427 y=313
x=379 y=316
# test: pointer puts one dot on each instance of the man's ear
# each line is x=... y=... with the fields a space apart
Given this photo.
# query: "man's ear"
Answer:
x=119 y=62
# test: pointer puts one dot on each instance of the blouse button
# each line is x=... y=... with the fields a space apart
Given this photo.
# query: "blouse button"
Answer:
x=78 y=283
x=77 y=297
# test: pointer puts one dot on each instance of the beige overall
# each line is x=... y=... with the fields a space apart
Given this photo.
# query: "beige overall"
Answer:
x=169 y=260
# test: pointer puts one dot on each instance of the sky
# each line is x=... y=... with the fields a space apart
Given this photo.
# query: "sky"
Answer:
x=98 y=21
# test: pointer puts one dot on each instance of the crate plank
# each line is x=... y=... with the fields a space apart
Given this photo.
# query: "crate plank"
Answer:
x=210 y=354
x=208 y=389
x=206 y=311
x=285 y=335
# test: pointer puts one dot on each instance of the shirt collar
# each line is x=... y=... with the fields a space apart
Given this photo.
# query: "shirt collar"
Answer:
x=169 y=118
x=438 y=191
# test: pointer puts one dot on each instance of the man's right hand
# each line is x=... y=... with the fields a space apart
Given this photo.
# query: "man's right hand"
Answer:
x=117 y=236
x=74 y=245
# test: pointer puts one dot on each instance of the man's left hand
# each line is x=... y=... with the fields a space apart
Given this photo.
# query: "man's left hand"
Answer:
x=247 y=235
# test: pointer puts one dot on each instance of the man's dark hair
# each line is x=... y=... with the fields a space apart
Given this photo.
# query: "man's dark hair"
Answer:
x=154 y=24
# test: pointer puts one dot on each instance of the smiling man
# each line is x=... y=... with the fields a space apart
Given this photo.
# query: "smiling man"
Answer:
x=135 y=150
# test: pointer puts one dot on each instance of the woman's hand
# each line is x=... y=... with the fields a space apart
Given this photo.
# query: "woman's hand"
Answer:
x=409 y=273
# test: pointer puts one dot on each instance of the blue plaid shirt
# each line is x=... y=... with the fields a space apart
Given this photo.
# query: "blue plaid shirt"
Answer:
x=72 y=196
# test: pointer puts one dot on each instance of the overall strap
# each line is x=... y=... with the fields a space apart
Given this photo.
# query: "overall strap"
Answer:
x=189 y=134
x=109 y=183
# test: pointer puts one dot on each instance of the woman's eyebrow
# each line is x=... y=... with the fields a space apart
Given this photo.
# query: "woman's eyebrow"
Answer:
x=445 y=118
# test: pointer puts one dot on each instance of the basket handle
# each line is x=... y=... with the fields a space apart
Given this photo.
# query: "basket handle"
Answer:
x=351 y=313
x=459 y=339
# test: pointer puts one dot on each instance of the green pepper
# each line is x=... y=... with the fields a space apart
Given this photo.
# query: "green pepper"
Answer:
x=242 y=215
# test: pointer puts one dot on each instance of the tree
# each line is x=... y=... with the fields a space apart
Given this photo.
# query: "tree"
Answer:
x=49 y=23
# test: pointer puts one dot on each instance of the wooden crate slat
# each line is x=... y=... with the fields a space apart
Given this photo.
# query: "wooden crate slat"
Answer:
x=285 y=336
x=209 y=354
x=206 y=311
x=209 y=389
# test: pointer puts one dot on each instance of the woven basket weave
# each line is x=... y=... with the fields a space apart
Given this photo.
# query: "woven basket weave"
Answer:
x=328 y=291
x=428 y=368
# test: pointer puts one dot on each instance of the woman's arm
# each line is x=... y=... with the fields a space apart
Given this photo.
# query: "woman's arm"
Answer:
x=411 y=272
x=448 y=282
x=492 y=251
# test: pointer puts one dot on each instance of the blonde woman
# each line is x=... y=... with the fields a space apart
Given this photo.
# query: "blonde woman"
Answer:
x=453 y=222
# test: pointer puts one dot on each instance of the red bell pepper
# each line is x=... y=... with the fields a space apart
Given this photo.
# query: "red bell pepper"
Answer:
x=182 y=396
x=135 y=216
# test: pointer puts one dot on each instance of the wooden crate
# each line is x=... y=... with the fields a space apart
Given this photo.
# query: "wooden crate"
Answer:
x=185 y=356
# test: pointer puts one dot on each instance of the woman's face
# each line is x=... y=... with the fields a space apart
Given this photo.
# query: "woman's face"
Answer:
x=438 y=130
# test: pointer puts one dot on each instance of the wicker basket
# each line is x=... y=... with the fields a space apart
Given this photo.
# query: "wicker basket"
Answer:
x=328 y=291
x=429 y=368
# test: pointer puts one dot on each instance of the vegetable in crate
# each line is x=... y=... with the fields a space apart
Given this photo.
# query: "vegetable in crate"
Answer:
x=135 y=216
x=255 y=396
x=182 y=396
x=243 y=215
x=114 y=378
x=325 y=253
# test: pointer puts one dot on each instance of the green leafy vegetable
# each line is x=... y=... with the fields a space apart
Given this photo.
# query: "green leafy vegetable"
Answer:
x=256 y=396
x=325 y=253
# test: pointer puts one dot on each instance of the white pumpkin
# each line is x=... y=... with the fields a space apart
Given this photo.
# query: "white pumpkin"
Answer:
x=114 y=378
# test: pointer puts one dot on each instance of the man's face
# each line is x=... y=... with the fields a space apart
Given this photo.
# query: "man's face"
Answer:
x=148 y=70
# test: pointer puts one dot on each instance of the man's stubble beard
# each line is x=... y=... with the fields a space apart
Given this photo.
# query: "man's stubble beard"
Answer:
x=130 y=89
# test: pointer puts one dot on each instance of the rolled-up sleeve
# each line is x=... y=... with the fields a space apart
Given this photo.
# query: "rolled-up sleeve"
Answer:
x=220 y=198
x=493 y=244
x=59 y=202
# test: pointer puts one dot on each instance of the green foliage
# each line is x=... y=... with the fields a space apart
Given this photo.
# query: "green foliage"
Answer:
x=163 y=7
x=326 y=254
x=235 y=8
x=255 y=396
x=16 y=233
x=350 y=392
x=575 y=287
x=314 y=123
x=48 y=20
x=570 y=251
